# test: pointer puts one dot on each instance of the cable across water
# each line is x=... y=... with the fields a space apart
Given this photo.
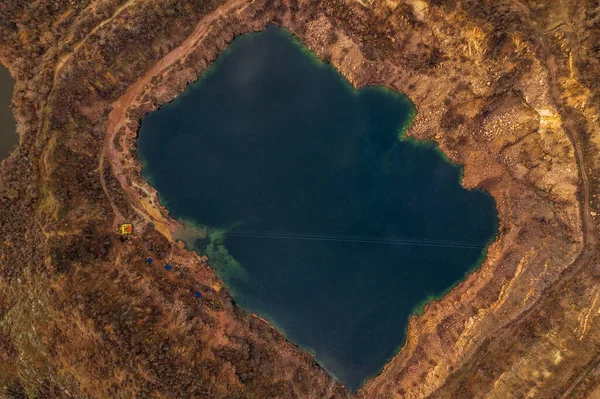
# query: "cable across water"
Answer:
x=358 y=239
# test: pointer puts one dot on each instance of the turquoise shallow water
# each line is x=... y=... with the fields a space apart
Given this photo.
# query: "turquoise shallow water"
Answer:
x=8 y=133
x=314 y=212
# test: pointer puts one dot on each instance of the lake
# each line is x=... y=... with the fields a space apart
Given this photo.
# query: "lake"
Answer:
x=313 y=210
x=8 y=132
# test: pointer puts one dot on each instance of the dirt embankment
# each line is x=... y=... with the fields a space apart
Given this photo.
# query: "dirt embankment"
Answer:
x=502 y=89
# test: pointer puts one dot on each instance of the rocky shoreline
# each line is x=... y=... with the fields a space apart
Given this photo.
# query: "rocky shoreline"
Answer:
x=490 y=102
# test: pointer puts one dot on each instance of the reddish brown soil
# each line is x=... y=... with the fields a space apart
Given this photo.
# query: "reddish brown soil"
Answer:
x=508 y=89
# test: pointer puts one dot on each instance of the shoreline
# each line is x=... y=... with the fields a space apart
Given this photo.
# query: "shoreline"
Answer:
x=502 y=89
x=176 y=226
x=170 y=65
x=190 y=228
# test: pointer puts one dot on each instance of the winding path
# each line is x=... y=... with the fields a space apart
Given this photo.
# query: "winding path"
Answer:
x=118 y=120
x=590 y=240
x=118 y=116
x=587 y=224
x=57 y=70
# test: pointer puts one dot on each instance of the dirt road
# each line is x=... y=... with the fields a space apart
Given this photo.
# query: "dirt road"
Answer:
x=117 y=119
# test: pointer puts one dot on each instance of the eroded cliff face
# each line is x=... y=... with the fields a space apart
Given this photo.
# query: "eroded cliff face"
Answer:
x=508 y=89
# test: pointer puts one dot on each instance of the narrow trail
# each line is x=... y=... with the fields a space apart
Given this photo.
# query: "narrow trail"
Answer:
x=61 y=62
x=580 y=377
x=57 y=70
x=118 y=116
x=590 y=240
x=588 y=227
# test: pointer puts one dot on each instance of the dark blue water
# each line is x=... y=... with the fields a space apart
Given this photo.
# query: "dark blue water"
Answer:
x=8 y=133
x=312 y=210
